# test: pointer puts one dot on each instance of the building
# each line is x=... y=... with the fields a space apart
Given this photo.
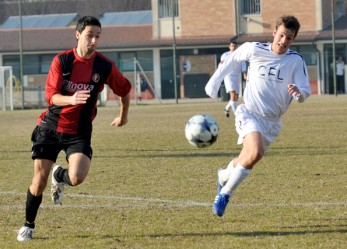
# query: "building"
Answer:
x=196 y=31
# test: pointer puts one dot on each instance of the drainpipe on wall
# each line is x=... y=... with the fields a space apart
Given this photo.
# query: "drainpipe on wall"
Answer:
x=237 y=21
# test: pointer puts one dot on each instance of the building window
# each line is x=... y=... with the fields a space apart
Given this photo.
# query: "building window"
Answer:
x=45 y=62
x=250 y=7
x=340 y=8
x=166 y=7
x=309 y=53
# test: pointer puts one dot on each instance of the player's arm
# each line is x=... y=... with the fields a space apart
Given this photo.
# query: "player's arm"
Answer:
x=300 y=89
x=79 y=98
x=242 y=53
x=121 y=87
x=122 y=119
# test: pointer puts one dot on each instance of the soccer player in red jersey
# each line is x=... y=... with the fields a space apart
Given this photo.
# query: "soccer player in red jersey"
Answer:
x=75 y=79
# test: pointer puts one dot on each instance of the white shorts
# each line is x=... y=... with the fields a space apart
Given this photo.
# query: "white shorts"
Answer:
x=247 y=121
x=232 y=83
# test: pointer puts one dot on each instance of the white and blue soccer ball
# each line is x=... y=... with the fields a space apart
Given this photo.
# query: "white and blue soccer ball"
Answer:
x=201 y=130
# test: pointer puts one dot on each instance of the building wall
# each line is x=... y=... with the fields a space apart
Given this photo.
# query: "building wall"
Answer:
x=301 y=9
x=207 y=18
x=326 y=13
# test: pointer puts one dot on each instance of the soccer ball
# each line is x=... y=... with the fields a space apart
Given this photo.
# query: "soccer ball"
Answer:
x=201 y=130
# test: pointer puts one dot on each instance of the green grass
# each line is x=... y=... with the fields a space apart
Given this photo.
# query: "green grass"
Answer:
x=148 y=188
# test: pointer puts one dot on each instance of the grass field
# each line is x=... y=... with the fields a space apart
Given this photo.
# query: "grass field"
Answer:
x=148 y=188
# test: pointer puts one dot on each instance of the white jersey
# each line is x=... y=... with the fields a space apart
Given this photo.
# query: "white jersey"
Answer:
x=232 y=80
x=340 y=67
x=269 y=75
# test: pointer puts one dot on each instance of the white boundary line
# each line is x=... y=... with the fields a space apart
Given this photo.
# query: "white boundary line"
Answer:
x=145 y=202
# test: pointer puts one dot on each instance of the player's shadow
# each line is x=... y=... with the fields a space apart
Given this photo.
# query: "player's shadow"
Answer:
x=247 y=234
x=234 y=234
x=154 y=153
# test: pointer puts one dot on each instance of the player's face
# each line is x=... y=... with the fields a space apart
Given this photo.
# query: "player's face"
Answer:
x=88 y=39
x=283 y=38
x=232 y=47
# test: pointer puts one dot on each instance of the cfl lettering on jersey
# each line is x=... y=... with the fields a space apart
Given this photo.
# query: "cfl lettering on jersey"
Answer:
x=271 y=73
x=72 y=87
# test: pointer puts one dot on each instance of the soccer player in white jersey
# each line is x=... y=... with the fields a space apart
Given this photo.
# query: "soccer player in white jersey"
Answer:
x=232 y=80
x=275 y=77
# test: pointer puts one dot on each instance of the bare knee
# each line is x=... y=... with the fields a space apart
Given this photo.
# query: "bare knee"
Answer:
x=248 y=158
x=79 y=165
x=258 y=154
x=76 y=179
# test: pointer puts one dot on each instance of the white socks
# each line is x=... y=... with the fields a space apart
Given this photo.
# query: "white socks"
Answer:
x=231 y=104
x=236 y=176
x=224 y=174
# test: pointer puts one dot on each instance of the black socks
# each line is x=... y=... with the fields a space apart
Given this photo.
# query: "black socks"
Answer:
x=62 y=175
x=31 y=207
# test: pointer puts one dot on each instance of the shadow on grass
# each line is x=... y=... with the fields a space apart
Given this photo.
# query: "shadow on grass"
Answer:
x=187 y=235
x=235 y=234
x=247 y=234
x=162 y=155
x=174 y=153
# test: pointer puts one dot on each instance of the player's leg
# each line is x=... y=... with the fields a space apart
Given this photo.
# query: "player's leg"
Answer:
x=234 y=93
x=79 y=156
x=251 y=153
x=42 y=168
x=233 y=88
x=79 y=165
x=44 y=155
x=250 y=130
x=233 y=100
x=228 y=89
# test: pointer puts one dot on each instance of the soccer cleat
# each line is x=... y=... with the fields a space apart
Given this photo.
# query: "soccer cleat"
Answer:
x=227 y=112
x=57 y=188
x=220 y=203
x=25 y=233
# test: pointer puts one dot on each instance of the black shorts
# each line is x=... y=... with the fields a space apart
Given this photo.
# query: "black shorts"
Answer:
x=47 y=144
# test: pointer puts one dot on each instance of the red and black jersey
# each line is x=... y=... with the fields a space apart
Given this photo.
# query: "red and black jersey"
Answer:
x=70 y=73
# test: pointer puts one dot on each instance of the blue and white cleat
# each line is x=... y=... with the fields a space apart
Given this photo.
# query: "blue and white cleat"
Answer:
x=220 y=203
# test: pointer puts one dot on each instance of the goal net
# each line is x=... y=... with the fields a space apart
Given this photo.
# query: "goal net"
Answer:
x=6 y=88
x=143 y=86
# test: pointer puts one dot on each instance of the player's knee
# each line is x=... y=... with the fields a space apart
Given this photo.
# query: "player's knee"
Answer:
x=259 y=153
x=76 y=179
x=256 y=155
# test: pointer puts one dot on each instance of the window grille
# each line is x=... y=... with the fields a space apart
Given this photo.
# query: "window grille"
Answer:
x=250 y=7
x=166 y=7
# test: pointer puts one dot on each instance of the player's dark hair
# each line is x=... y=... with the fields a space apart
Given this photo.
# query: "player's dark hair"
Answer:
x=289 y=22
x=231 y=40
x=87 y=21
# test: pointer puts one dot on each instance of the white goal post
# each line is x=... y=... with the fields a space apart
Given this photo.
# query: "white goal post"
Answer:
x=140 y=77
x=6 y=87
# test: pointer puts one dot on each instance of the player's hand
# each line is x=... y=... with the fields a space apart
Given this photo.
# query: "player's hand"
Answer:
x=80 y=97
x=293 y=90
x=119 y=122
